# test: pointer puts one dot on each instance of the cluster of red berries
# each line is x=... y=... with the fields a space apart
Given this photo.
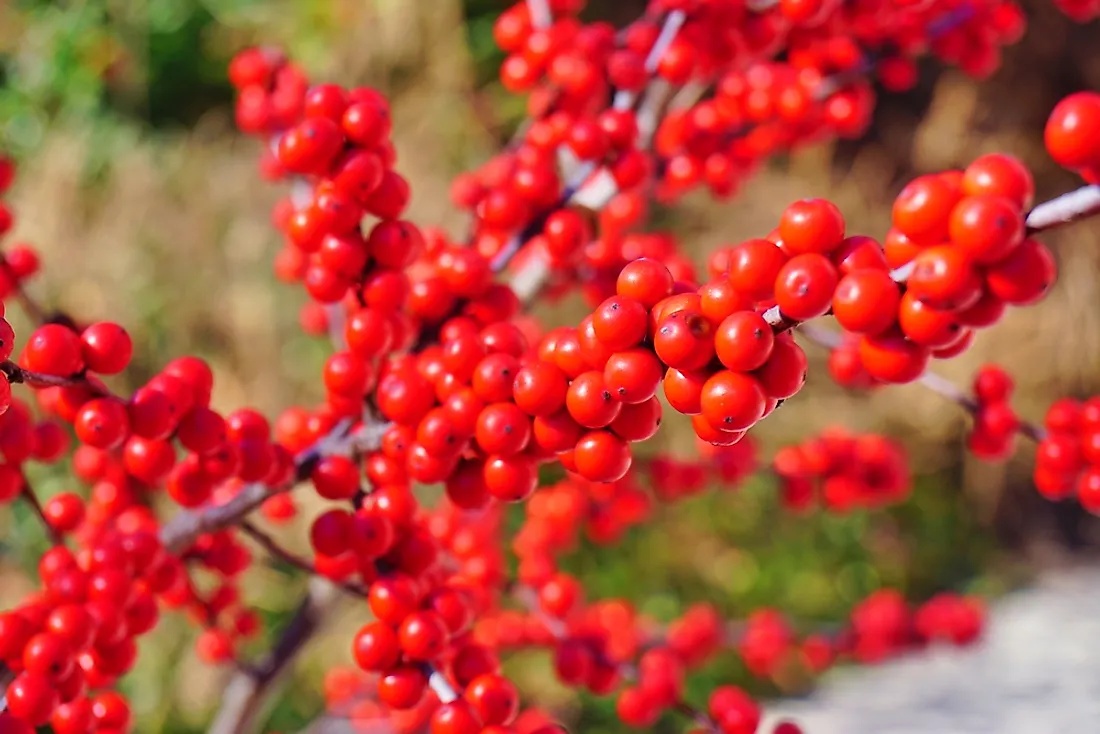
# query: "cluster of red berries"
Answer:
x=821 y=89
x=883 y=625
x=595 y=647
x=760 y=106
x=843 y=471
x=79 y=633
x=959 y=238
x=995 y=422
x=432 y=356
x=18 y=262
x=349 y=695
x=1067 y=462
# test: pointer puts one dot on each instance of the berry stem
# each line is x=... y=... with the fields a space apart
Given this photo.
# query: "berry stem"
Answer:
x=182 y=530
x=541 y=17
x=934 y=382
x=6 y=677
x=629 y=672
x=17 y=375
x=1070 y=207
x=272 y=547
x=1065 y=209
x=248 y=691
x=31 y=499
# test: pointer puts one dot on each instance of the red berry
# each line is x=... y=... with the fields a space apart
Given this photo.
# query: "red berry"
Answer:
x=106 y=348
x=1073 y=131
x=811 y=225
x=53 y=350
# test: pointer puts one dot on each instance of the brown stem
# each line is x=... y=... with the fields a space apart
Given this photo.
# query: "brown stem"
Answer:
x=30 y=306
x=936 y=383
x=559 y=631
x=6 y=677
x=16 y=375
x=31 y=499
x=273 y=548
x=183 y=530
x=248 y=691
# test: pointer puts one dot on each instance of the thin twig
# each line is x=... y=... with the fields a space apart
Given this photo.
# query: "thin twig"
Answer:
x=932 y=381
x=560 y=631
x=30 y=306
x=31 y=499
x=541 y=17
x=15 y=374
x=6 y=677
x=183 y=530
x=273 y=548
x=1065 y=209
x=247 y=693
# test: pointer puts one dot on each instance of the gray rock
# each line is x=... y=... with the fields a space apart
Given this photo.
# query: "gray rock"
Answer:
x=1037 y=670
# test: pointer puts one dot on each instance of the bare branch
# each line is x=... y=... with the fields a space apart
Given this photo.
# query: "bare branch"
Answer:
x=31 y=499
x=541 y=16
x=934 y=382
x=248 y=691
x=15 y=374
x=1065 y=209
x=273 y=548
x=30 y=306
x=182 y=530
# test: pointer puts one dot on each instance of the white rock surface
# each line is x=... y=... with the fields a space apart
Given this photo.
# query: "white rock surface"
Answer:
x=1037 y=670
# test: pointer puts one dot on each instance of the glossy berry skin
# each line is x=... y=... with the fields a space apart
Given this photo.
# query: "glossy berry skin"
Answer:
x=493 y=698
x=102 y=423
x=590 y=401
x=1000 y=175
x=732 y=401
x=376 y=647
x=53 y=350
x=923 y=209
x=684 y=340
x=1072 y=132
x=943 y=277
x=602 y=456
x=620 y=323
x=540 y=389
x=422 y=635
x=754 y=266
x=402 y=687
x=1024 y=276
x=986 y=228
x=744 y=341
x=866 y=301
x=644 y=281
x=106 y=348
x=311 y=146
x=811 y=225
x=805 y=285
x=633 y=376
x=891 y=358
x=32 y=697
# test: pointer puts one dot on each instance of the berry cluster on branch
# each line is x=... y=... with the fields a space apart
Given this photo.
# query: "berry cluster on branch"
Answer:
x=437 y=376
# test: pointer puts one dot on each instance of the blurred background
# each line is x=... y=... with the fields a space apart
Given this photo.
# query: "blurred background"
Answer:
x=148 y=209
